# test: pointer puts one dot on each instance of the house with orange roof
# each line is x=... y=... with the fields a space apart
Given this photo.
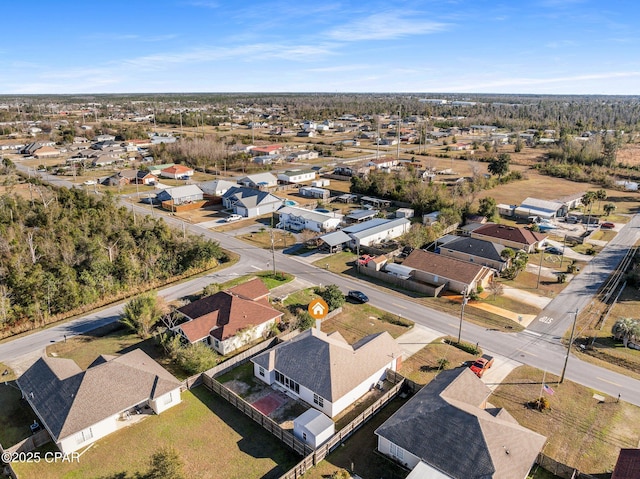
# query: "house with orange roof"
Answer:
x=177 y=172
x=229 y=319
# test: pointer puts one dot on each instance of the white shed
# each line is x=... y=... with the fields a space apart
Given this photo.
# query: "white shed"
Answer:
x=313 y=427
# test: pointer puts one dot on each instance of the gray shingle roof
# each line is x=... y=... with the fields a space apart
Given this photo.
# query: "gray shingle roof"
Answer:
x=68 y=400
x=445 y=425
x=250 y=197
x=476 y=247
x=327 y=364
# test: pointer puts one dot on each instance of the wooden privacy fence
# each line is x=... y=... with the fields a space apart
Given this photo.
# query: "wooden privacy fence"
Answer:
x=321 y=452
x=266 y=422
x=559 y=469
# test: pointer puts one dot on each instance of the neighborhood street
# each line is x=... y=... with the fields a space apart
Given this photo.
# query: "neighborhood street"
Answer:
x=537 y=346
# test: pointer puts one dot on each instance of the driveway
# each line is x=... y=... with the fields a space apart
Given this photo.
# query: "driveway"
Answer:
x=569 y=253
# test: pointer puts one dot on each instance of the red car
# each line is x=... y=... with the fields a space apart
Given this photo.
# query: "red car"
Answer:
x=607 y=226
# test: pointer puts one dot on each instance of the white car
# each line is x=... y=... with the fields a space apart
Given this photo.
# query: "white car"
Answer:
x=90 y=182
x=233 y=217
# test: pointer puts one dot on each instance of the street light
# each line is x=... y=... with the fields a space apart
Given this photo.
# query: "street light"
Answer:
x=464 y=303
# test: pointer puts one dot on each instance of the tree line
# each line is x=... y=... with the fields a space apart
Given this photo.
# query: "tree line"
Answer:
x=64 y=251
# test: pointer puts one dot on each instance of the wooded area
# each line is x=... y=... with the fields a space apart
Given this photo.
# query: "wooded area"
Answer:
x=68 y=250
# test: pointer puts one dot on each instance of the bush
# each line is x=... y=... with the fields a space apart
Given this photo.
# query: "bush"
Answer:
x=332 y=296
x=196 y=358
x=539 y=404
x=467 y=347
x=397 y=320
x=443 y=363
x=305 y=321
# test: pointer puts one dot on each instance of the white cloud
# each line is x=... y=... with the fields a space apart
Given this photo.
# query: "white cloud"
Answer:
x=385 y=26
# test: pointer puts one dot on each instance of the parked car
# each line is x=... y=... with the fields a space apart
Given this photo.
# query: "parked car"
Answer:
x=553 y=250
x=480 y=365
x=607 y=225
x=233 y=217
x=357 y=296
x=571 y=219
x=90 y=182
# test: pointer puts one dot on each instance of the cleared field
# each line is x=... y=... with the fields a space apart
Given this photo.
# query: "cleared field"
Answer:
x=581 y=432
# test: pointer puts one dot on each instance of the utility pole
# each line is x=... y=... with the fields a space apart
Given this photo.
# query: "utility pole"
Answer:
x=566 y=359
x=464 y=303
x=398 y=134
x=540 y=268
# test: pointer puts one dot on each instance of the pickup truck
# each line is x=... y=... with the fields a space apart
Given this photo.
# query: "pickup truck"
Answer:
x=480 y=365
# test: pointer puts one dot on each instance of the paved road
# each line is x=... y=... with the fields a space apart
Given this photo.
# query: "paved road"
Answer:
x=540 y=349
x=556 y=318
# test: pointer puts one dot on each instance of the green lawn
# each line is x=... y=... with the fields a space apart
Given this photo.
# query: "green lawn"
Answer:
x=213 y=439
x=423 y=366
x=15 y=415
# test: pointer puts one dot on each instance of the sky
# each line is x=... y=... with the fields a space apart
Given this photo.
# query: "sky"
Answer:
x=396 y=46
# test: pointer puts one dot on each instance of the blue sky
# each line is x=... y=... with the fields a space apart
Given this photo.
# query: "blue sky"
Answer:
x=474 y=46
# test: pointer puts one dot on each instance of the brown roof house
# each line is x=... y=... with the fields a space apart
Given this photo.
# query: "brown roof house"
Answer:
x=448 y=430
x=79 y=407
x=324 y=370
x=457 y=275
x=511 y=236
x=229 y=319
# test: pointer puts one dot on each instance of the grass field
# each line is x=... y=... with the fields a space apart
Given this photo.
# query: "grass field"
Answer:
x=603 y=235
x=424 y=365
x=15 y=415
x=581 y=432
x=262 y=239
x=213 y=439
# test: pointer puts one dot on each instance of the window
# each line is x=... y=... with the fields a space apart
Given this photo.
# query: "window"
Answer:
x=318 y=400
x=261 y=371
x=84 y=436
x=396 y=451
x=288 y=383
x=304 y=436
x=216 y=343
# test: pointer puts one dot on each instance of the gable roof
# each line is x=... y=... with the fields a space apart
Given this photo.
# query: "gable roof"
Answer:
x=177 y=169
x=227 y=312
x=445 y=425
x=327 y=364
x=68 y=400
x=309 y=215
x=254 y=289
x=249 y=197
x=509 y=233
x=259 y=178
x=443 y=266
x=380 y=228
x=181 y=191
x=476 y=247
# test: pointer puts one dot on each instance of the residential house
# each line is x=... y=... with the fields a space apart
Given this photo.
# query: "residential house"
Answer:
x=177 y=172
x=46 y=152
x=217 y=187
x=447 y=430
x=458 y=276
x=313 y=192
x=156 y=169
x=266 y=150
x=476 y=251
x=542 y=208
x=298 y=219
x=229 y=319
x=249 y=202
x=144 y=177
x=79 y=407
x=324 y=370
x=180 y=195
x=121 y=178
x=359 y=216
x=511 y=236
x=376 y=231
x=383 y=163
x=297 y=176
x=259 y=180
x=302 y=155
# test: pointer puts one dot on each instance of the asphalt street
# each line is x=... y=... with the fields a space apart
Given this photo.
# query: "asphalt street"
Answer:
x=538 y=346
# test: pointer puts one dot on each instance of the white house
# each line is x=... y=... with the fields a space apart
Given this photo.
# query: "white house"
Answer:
x=298 y=219
x=259 y=180
x=324 y=370
x=180 y=195
x=79 y=407
x=376 y=231
x=177 y=172
x=230 y=319
x=313 y=427
x=216 y=187
x=249 y=202
x=447 y=430
x=297 y=176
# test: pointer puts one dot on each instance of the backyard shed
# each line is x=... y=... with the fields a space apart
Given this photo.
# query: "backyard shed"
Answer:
x=313 y=427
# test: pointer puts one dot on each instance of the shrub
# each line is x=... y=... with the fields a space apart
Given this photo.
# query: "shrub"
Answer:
x=397 y=320
x=467 y=347
x=196 y=358
x=539 y=404
x=332 y=295
x=443 y=363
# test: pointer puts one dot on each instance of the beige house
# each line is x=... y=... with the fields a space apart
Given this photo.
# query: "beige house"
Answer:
x=436 y=269
x=79 y=407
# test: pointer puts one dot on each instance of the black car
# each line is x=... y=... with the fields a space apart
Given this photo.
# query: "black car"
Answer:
x=358 y=296
x=553 y=250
